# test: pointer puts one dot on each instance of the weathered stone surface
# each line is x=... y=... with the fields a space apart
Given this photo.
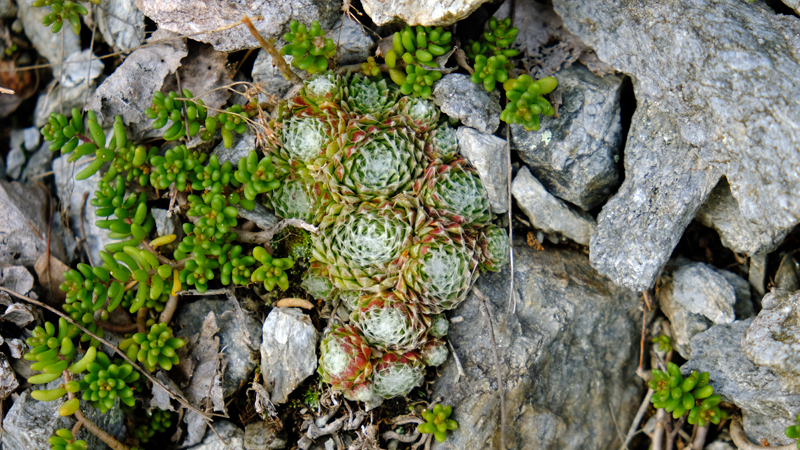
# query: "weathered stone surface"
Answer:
x=232 y=435
x=757 y=272
x=69 y=91
x=575 y=155
x=72 y=191
x=39 y=163
x=23 y=230
x=288 y=351
x=767 y=408
x=568 y=353
x=744 y=299
x=47 y=43
x=143 y=70
x=460 y=98
x=721 y=212
x=787 y=277
x=352 y=39
x=15 y=161
x=238 y=338
x=271 y=18
x=487 y=153
x=773 y=339
x=261 y=435
x=7 y=9
x=722 y=69
x=548 y=213
x=260 y=215
x=121 y=23
x=8 y=379
x=16 y=278
x=22 y=140
x=270 y=77
x=415 y=12
x=665 y=184
x=166 y=225
x=694 y=296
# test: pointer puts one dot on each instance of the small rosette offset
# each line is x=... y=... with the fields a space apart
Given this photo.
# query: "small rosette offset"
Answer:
x=454 y=191
x=396 y=375
x=344 y=360
x=442 y=144
x=419 y=114
x=494 y=247
x=391 y=321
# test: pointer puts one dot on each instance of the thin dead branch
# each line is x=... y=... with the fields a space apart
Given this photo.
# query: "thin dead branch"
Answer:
x=277 y=58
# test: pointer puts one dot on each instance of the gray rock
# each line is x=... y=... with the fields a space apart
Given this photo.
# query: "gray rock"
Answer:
x=69 y=91
x=774 y=337
x=19 y=314
x=548 y=213
x=352 y=39
x=270 y=77
x=575 y=155
x=721 y=212
x=143 y=71
x=232 y=435
x=23 y=230
x=166 y=225
x=242 y=144
x=486 y=153
x=787 y=277
x=15 y=161
x=568 y=354
x=47 y=43
x=460 y=98
x=720 y=445
x=112 y=422
x=40 y=162
x=72 y=191
x=238 y=339
x=757 y=272
x=261 y=435
x=7 y=9
x=694 y=297
x=30 y=423
x=415 y=12
x=8 y=379
x=767 y=408
x=121 y=23
x=17 y=347
x=665 y=184
x=722 y=69
x=744 y=299
x=288 y=351
x=260 y=215
x=271 y=18
x=16 y=278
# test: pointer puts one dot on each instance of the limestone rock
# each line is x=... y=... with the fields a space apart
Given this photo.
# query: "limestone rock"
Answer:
x=23 y=230
x=426 y=12
x=121 y=23
x=460 y=98
x=288 y=351
x=487 y=153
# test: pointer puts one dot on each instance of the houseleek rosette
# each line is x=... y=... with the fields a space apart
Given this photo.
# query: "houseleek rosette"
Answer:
x=440 y=267
x=378 y=165
x=370 y=101
x=345 y=362
x=321 y=93
x=359 y=247
x=395 y=375
x=441 y=144
x=454 y=191
x=300 y=198
x=391 y=321
x=494 y=247
x=434 y=352
x=318 y=286
x=419 y=114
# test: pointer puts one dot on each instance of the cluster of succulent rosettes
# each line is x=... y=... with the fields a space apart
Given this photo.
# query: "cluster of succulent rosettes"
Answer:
x=489 y=71
x=391 y=321
x=156 y=348
x=495 y=41
x=663 y=343
x=495 y=248
x=189 y=115
x=525 y=101
x=256 y=176
x=159 y=421
x=309 y=47
x=272 y=271
x=106 y=382
x=175 y=167
x=132 y=219
x=51 y=351
x=793 y=431
x=371 y=68
x=692 y=394
x=63 y=11
x=235 y=267
x=417 y=48
x=64 y=440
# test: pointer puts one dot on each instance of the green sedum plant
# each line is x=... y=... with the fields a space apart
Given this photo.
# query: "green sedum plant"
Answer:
x=679 y=395
x=793 y=431
x=437 y=421
x=525 y=101
x=309 y=47
x=63 y=439
x=156 y=348
x=69 y=11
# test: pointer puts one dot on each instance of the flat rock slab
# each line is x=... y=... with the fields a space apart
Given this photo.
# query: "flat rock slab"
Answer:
x=575 y=155
x=461 y=99
x=727 y=72
x=416 y=12
x=23 y=230
x=568 y=354
x=288 y=351
x=665 y=184
x=216 y=22
x=487 y=153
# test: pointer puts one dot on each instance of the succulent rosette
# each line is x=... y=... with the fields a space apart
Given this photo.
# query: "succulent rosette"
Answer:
x=306 y=143
x=454 y=191
x=439 y=326
x=434 y=352
x=349 y=299
x=369 y=101
x=318 y=286
x=344 y=360
x=300 y=198
x=419 y=114
x=442 y=144
x=395 y=375
x=391 y=321
x=375 y=165
x=440 y=266
x=360 y=247
x=494 y=247
x=321 y=94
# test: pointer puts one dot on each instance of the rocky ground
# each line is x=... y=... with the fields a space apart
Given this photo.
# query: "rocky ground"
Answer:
x=660 y=199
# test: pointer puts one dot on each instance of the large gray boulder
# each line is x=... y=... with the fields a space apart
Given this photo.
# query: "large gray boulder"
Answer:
x=726 y=71
x=23 y=228
x=568 y=355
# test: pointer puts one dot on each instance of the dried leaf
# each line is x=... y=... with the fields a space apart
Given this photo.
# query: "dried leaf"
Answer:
x=20 y=82
x=50 y=277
